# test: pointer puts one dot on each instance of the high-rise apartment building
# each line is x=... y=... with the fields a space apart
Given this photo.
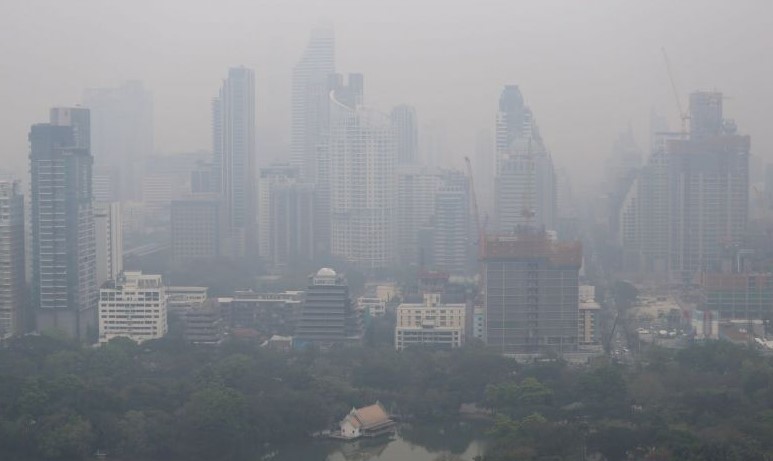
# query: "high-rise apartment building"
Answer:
x=12 y=259
x=362 y=171
x=327 y=315
x=531 y=294
x=525 y=184
x=406 y=133
x=311 y=102
x=134 y=307
x=121 y=136
x=233 y=129
x=109 y=240
x=63 y=251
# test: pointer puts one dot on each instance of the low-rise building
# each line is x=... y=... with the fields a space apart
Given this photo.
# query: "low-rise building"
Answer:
x=180 y=299
x=204 y=324
x=369 y=421
x=373 y=307
x=133 y=306
x=430 y=323
x=267 y=313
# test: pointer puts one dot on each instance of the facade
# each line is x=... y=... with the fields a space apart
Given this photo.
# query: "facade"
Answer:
x=327 y=315
x=451 y=225
x=181 y=298
x=362 y=162
x=310 y=102
x=416 y=193
x=531 y=294
x=369 y=421
x=204 y=324
x=121 y=136
x=479 y=323
x=525 y=192
x=109 y=240
x=64 y=284
x=432 y=323
x=407 y=134
x=233 y=133
x=197 y=225
x=589 y=328
x=372 y=307
x=745 y=296
x=134 y=307
x=286 y=216
x=267 y=313
x=12 y=259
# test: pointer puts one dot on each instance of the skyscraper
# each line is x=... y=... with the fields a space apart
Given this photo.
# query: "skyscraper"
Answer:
x=416 y=195
x=64 y=286
x=362 y=162
x=233 y=122
x=451 y=225
x=12 y=318
x=197 y=225
x=310 y=102
x=122 y=135
x=525 y=184
x=406 y=133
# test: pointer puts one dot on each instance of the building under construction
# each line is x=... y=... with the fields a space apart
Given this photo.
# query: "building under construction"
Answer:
x=531 y=295
x=746 y=297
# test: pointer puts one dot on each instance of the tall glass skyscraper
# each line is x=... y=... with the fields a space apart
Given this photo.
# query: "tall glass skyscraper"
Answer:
x=233 y=130
x=64 y=284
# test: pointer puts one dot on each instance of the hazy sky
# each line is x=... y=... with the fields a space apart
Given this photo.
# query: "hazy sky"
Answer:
x=586 y=67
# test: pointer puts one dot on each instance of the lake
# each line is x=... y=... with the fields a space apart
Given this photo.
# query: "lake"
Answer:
x=459 y=441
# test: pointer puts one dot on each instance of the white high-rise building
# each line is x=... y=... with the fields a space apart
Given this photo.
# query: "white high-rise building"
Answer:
x=135 y=307
x=233 y=132
x=109 y=240
x=310 y=102
x=362 y=169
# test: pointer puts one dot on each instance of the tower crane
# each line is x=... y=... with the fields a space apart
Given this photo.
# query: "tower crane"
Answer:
x=682 y=114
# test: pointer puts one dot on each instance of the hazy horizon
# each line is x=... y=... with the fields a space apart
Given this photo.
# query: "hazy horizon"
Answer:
x=586 y=69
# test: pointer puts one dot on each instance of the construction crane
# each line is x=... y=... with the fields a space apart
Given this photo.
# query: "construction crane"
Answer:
x=478 y=227
x=682 y=114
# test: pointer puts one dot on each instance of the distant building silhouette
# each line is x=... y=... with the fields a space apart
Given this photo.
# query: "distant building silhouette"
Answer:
x=12 y=259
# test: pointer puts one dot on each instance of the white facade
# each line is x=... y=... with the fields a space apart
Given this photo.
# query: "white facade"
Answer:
x=376 y=307
x=109 y=231
x=362 y=163
x=589 y=334
x=430 y=323
x=135 y=308
x=184 y=298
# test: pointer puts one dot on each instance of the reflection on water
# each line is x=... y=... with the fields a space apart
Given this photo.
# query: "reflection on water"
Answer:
x=461 y=441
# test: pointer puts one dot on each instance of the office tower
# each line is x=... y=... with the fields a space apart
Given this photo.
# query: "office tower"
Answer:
x=416 y=194
x=622 y=169
x=531 y=294
x=451 y=224
x=362 y=171
x=121 y=135
x=12 y=315
x=109 y=240
x=525 y=183
x=310 y=102
x=327 y=315
x=134 y=306
x=432 y=323
x=63 y=252
x=197 y=224
x=233 y=122
x=406 y=133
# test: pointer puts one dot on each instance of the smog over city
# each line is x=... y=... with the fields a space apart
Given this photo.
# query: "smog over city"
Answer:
x=386 y=230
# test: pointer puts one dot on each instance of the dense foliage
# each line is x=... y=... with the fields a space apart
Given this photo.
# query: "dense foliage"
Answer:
x=169 y=400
